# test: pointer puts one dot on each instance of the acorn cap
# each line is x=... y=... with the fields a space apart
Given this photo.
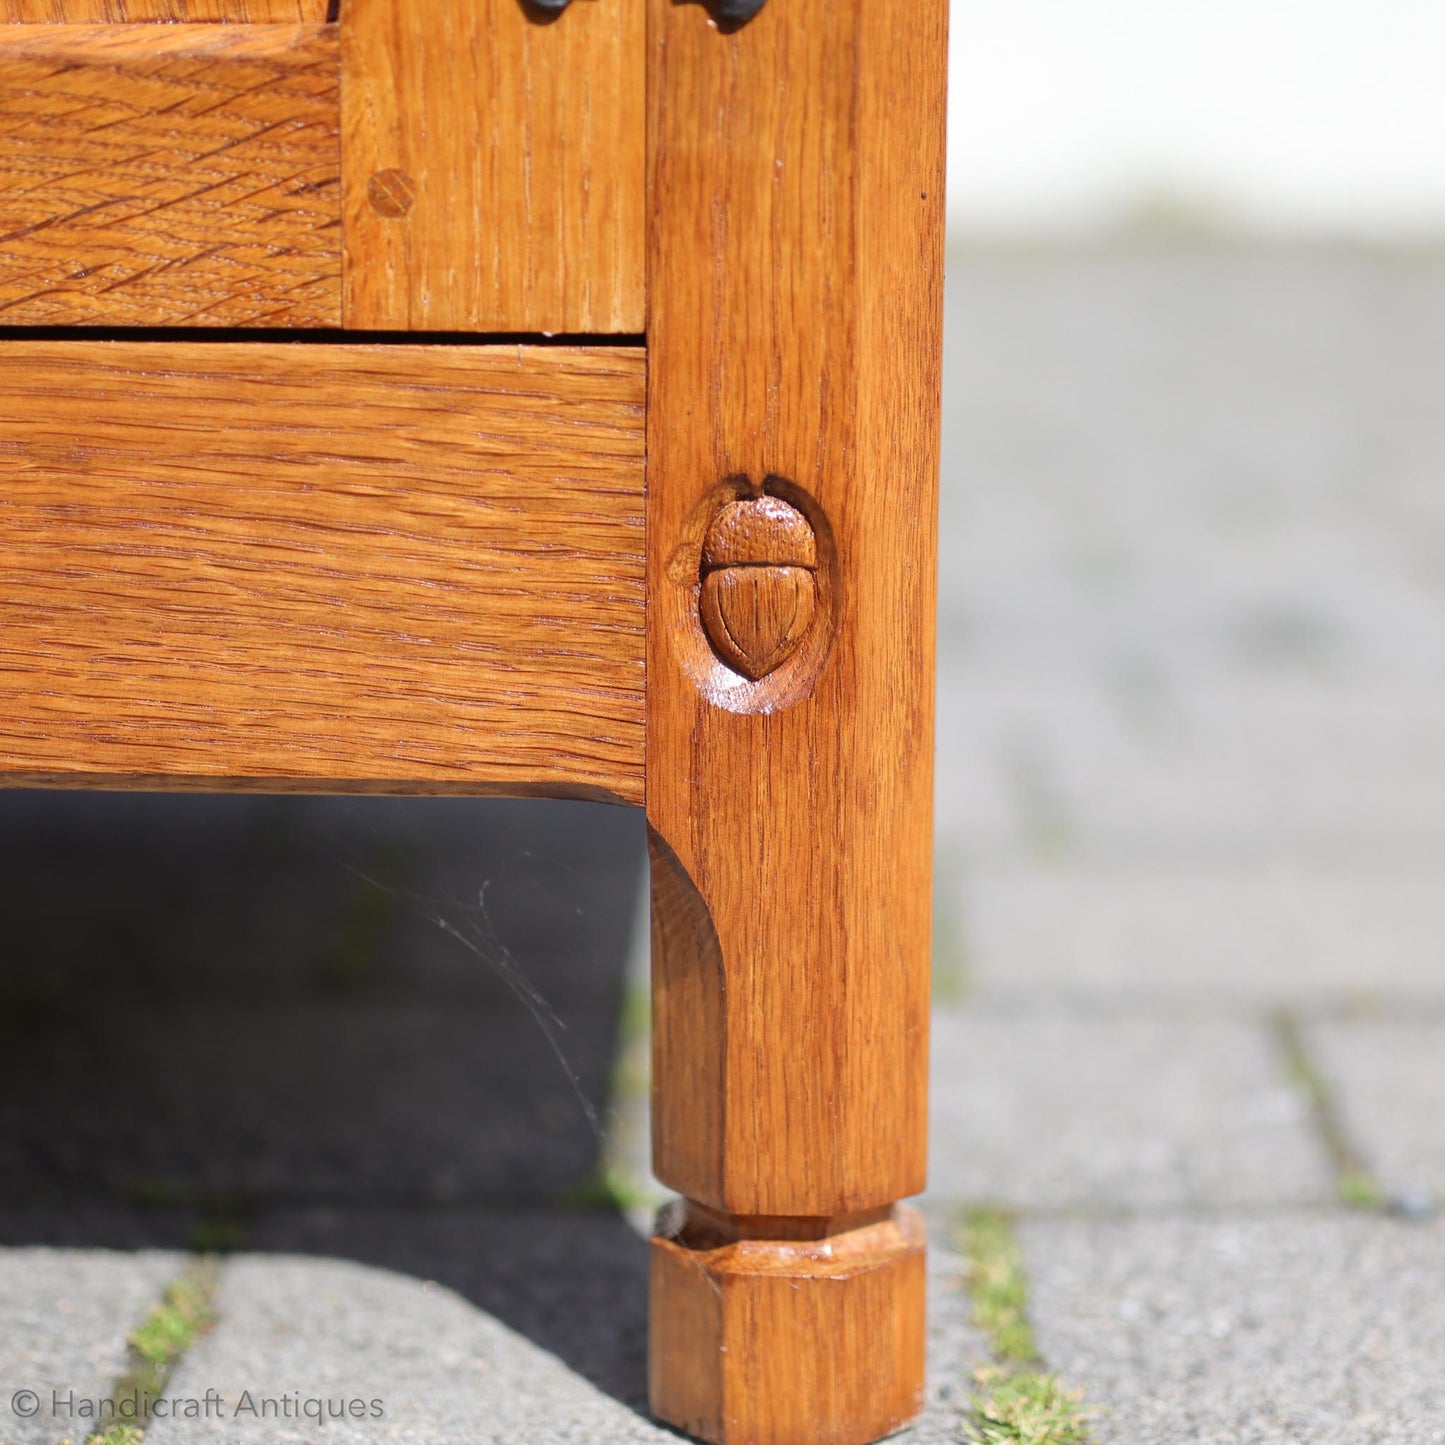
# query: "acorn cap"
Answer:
x=759 y=532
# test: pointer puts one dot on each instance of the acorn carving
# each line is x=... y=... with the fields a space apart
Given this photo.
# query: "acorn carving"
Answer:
x=759 y=583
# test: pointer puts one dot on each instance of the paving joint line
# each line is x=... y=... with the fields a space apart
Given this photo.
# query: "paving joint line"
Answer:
x=1016 y=1400
x=186 y=1311
x=1355 y=1182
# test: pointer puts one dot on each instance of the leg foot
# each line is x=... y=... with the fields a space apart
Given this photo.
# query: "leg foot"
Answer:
x=787 y=1331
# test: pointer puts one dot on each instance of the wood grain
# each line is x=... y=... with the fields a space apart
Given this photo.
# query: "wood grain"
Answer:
x=334 y=567
x=813 y=1338
x=794 y=334
x=170 y=175
x=123 y=12
x=494 y=166
x=796 y=269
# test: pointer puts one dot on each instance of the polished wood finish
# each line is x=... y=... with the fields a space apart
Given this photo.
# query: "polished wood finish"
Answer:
x=760 y=1331
x=123 y=12
x=401 y=568
x=494 y=166
x=759 y=584
x=795 y=274
x=804 y=829
x=414 y=568
x=170 y=175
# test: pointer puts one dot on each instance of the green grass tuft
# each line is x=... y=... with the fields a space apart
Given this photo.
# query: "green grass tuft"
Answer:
x=1358 y=1189
x=1016 y=1402
x=118 y=1435
x=175 y=1322
x=181 y=1317
x=1025 y=1408
x=996 y=1281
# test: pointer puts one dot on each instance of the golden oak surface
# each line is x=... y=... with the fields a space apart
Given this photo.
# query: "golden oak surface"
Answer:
x=167 y=175
x=121 y=12
x=698 y=576
x=494 y=166
x=794 y=326
x=793 y=349
x=382 y=567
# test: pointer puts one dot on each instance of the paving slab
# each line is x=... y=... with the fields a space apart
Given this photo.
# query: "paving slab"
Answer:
x=1250 y=935
x=64 y=1317
x=160 y=899
x=402 y=1359
x=1191 y=573
x=1060 y=1112
x=1139 y=763
x=1388 y=1082
x=1143 y=762
x=306 y=1101
x=1310 y=603
x=67 y=1224
x=308 y=998
x=1227 y=385
x=1300 y=768
x=1290 y=1330
x=956 y=1348
x=1191 y=759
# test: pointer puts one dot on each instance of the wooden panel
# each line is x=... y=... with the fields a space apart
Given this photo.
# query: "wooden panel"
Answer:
x=795 y=308
x=494 y=166
x=170 y=175
x=410 y=568
x=122 y=12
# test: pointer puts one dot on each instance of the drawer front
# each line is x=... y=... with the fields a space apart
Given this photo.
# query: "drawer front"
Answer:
x=174 y=12
x=463 y=165
x=494 y=165
x=170 y=175
x=322 y=567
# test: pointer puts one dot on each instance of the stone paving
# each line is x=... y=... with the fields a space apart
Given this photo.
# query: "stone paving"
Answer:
x=1247 y=1331
x=64 y=1316
x=1191 y=946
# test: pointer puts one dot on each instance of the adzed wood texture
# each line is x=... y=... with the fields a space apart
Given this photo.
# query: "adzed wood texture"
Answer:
x=122 y=12
x=170 y=175
x=494 y=166
x=795 y=305
x=315 y=566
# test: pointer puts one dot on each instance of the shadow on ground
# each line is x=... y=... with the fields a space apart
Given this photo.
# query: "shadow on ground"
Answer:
x=378 y=1029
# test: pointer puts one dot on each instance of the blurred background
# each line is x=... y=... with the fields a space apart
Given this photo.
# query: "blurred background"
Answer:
x=1190 y=945
x=1313 y=120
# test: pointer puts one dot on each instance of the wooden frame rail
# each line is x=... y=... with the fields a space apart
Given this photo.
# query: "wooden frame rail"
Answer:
x=390 y=568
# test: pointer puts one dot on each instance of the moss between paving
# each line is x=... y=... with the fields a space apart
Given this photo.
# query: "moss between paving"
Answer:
x=1017 y=1401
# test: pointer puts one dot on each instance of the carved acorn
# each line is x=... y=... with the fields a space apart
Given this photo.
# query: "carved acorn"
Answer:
x=759 y=583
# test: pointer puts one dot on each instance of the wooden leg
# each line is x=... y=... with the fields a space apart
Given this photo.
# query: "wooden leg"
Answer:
x=792 y=1330
x=795 y=272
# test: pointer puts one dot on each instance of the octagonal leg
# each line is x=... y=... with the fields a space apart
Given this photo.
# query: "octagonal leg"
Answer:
x=773 y=1339
x=795 y=275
